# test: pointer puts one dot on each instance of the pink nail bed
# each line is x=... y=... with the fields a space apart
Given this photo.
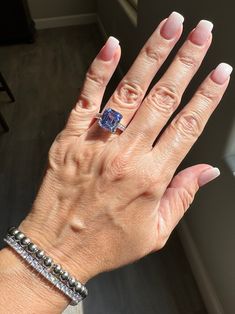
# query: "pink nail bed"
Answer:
x=172 y=25
x=201 y=33
x=221 y=73
x=107 y=52
x=208 y=175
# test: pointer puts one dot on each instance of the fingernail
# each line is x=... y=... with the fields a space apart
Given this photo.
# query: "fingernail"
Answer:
x=208 y=175
x=201 y=33
x=107 y=52
x=221 y=73
x=172 y=25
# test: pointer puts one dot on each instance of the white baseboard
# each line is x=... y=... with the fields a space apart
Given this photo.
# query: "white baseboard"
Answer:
x=205 y=286
x=69 y=20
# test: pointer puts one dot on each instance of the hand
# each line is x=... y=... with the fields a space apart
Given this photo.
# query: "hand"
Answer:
x=109 y=199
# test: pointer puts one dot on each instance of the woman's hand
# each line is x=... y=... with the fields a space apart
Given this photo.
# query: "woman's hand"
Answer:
x=109 y=199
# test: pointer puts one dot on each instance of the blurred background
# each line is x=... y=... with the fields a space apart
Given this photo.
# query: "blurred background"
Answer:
x=46 y=48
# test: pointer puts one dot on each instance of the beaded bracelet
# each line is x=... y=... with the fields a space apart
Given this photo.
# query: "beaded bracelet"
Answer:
x=45 y=266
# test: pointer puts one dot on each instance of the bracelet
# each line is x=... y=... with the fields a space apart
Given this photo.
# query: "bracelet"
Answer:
x=44 y=264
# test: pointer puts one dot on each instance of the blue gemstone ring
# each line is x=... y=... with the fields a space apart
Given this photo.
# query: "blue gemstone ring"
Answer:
x=110 y=120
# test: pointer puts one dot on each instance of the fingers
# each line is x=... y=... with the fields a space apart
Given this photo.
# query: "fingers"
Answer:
x=131 y=90
x=96 y=80
x=180 y=194
x=187 y=126
x=165 y=96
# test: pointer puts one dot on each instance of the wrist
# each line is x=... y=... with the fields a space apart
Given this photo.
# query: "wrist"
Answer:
x=63 y=249
x=25 y=288
x=48 y=226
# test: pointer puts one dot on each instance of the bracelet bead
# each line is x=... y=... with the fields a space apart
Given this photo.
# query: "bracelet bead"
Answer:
x=25 y=241
x=72 y=281
x=32 y=248
x=65 y=276
x=57 y=269
x=40 y=254
x=11 y=231
x=78 y=287
x=48 y=261
x=14 y=232
x=19 y=236
x=82 y=290
x=45 y=265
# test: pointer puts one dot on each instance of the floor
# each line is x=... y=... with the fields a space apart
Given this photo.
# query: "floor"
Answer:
x=45 y=78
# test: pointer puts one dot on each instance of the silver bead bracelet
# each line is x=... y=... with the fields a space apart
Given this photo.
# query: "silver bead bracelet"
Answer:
x=44 y=264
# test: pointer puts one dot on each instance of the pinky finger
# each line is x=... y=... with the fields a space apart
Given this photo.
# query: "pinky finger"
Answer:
x=96 y=80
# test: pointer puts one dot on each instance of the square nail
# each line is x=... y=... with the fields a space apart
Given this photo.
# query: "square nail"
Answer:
x=221 y=73
x=201 y=33
x=172 y=25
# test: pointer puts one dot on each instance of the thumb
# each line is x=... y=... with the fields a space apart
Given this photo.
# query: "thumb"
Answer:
x=181 y=192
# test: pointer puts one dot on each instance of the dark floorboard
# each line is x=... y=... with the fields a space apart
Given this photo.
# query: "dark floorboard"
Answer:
x=45 y=78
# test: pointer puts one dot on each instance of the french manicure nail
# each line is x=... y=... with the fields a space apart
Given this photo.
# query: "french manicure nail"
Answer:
x=208 y=175
x=172 y=25
x=201 y=33
x=107 y=52
x=221 y=73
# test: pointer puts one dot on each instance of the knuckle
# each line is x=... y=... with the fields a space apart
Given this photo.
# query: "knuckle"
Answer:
x=79 y=161
x=186 y=197
x=164 y=98
x=97 y=78
x=151 y=184
x=60 y=142
x=150 y=191
x=56 y=153
x=188 y=59
x=147 y=184
x=59 y=137
x=188 y=124
x=153 y=54
x=117 y=169
x=84 y=102
x=84 y=156
x=208 y=95
x=128 y=94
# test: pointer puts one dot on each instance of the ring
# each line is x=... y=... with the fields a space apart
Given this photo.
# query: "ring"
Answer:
x=110 y=120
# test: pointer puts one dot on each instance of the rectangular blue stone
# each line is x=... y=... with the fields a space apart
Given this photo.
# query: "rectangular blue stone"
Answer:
x=110 y=120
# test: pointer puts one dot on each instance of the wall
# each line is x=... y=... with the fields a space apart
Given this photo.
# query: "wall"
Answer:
x=119 y=21
x=212 y=216
x=56 y=8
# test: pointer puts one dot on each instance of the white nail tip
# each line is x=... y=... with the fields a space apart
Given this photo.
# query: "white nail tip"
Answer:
x=208 y=175
x=178 y=15
x=206 y=25
x=216 y=172
x=113 y=41
x=225 y=68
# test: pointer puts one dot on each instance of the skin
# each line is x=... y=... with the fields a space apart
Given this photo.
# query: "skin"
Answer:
x=106 y=199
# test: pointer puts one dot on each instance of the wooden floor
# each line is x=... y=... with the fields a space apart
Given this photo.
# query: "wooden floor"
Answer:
x=45 y=78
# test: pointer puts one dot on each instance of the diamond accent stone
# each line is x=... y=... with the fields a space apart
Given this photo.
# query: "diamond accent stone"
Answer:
x=35 y=263
x=110 y=120
x=29 y=259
